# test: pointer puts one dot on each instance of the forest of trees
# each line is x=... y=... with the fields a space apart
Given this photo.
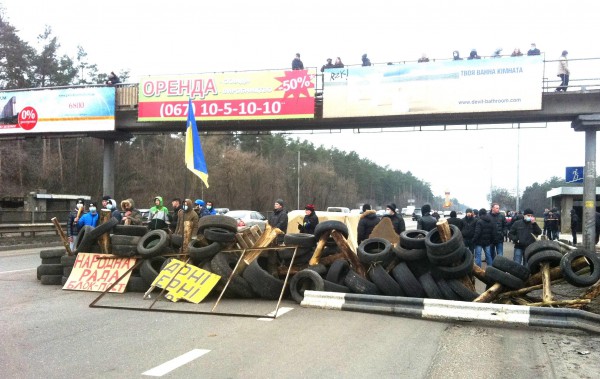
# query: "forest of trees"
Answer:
x=246 y=171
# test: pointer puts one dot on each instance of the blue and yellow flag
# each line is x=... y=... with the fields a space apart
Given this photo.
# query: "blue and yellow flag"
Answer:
x=194 y=157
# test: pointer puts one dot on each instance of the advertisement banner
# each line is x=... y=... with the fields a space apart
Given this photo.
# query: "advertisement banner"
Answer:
x=185 y=281
x=93 y=273
x=273 y=94
x=66 y=110
x=462 y=86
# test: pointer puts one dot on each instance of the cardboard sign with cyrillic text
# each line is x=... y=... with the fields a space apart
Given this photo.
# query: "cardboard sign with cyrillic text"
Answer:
x=94 y=272
x=185 y=281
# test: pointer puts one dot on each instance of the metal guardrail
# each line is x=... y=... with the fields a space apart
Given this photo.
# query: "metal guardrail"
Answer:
x=30 y=229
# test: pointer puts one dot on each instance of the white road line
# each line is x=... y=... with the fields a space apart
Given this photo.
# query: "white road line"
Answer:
x=171 y=365
x=280 y=312
x=13 y=271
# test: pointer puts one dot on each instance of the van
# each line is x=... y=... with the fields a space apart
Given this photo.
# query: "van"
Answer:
x=338 y=209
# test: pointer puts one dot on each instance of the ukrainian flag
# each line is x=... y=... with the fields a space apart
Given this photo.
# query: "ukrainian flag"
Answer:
x=194 y=157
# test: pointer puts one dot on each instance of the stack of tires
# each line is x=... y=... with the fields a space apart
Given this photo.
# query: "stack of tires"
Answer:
x=51 y=271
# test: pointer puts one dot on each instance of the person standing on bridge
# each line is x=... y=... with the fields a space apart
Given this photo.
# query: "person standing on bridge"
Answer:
x=338 y=63
x=297 y=63
x=533 y=51
x=563 y=72
x=113 y=79
x=365 y=60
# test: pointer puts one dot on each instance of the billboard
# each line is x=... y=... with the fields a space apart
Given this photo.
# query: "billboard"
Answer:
x=271 y=94
x=462 y=86
x=87 y=109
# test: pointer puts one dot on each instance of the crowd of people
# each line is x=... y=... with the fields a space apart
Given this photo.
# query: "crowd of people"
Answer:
x=563 y=65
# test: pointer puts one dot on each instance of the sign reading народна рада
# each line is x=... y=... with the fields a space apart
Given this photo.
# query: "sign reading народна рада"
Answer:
x=185 y=281
x=94 y=272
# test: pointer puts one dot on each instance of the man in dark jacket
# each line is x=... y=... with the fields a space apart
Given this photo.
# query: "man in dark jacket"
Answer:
x=498 y=218
x=521 y=233
x=485 y=230
x=453 y=220
x=468 y=229
x=368 y=221
x=397 y=222
x=427 y=221
x=574 y=226
x=279 y=219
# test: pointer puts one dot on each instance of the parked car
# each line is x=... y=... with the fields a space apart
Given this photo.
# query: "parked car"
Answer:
x=338 y=209
x=417 y=214
x=248 y=218
x=221 y=211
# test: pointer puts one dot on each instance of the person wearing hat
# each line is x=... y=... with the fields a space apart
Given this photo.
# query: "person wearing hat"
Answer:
x=454 y=220
x=72 y=228
x=522 y=234
x=468 y=229
x=279 y=218
x=368 y=221
x=131 y=216
x=563 y=72
x=105 y=201
x=485 y=230
x=112 y=206
x=533 y=51
x=329 y=64
x=198 y=206
x=426 y=222
x=397 y=222
x=187 y=213
x=90 y=218
x=158 y=215
x=574 y=225
x=310 y=220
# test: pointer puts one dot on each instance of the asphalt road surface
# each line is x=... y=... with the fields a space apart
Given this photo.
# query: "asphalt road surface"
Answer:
x=48 y=332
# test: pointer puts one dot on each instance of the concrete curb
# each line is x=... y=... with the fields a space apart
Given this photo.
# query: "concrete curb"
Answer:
x=448 y=310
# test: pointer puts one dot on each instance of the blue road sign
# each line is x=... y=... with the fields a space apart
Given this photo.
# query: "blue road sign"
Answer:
x=574 y=175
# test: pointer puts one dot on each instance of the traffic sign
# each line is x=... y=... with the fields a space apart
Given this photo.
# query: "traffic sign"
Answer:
x=574 y=175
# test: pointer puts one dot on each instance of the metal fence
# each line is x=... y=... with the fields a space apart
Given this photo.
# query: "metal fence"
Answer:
x=25 y=217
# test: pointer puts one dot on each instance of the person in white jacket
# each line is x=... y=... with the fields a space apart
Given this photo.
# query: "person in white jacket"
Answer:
x=563 y=72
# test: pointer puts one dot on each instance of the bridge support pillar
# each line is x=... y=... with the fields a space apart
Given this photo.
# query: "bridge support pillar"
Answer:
x=590 y=124
x=108 y=170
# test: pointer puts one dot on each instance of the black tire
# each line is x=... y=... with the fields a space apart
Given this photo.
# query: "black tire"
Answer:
x=49 y=261
x=328 y=226
x=286 y=254
x=384 y=282
x=125 y=251
x=540 y=245
x=465 y=267
x=150 y=268
x=219 y=235
x=338 y=271
x=305 y=280
x=130 y=230
x=52 y=253
x=103 y=228
x=200 y=254
x=67 y=271
x=503 y=278
x=413 y=239
x=407 y=280
x=153 y=244
x=176 y=240
x=552 y=257
x=580 y=280
x=358 y=284
x=409 y=255
x=435 y=246
x=374 y=250
x=136 y=284
x=319 y=269
x=299 y=239
x=68 y=260
x=334 y=287
x=419 y=267
x=262 y=282
x=84 y=242
x=217 y=221
x=448 y=293
x=122 y=239
x=463 y=292
x=50 y=269
x=504 y=264
x=52 y=280
x=447 y=259
x=430 y=286
x=222 y=264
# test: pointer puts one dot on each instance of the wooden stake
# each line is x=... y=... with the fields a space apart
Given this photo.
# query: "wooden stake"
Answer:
x=318 y=250
x=350 y=255
x=104 y=239
x=444 y=230
x=187 y=237
x=546 y=290
x=490 y=294
x=560 y=302
x=62 y=235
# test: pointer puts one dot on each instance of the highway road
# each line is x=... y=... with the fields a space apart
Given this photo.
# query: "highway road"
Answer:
x=48 y=332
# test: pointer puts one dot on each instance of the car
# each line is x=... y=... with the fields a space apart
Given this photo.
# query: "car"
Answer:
x=380 y=213
x=248 y=218
x=338 y=209
x=221 y=211
x=447 y=214
x=417 y=214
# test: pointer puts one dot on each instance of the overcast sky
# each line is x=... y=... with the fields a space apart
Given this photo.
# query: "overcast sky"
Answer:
x=156 y=37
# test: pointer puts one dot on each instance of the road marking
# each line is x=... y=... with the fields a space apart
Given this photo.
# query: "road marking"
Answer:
x=171 y=365
x=13 y=271
x=280 y=312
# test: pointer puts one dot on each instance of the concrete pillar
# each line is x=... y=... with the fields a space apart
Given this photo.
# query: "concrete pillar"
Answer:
x=108 y=174
x=566 y=204
x=589 y=192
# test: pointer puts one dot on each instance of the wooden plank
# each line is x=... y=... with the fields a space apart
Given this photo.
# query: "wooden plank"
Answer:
x=266 y=239
x=104 y=240
x=316 y=257
x=345 y=248
x=62 y=235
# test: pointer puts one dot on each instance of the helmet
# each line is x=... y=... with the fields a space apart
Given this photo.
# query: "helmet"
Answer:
x=199 y=202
